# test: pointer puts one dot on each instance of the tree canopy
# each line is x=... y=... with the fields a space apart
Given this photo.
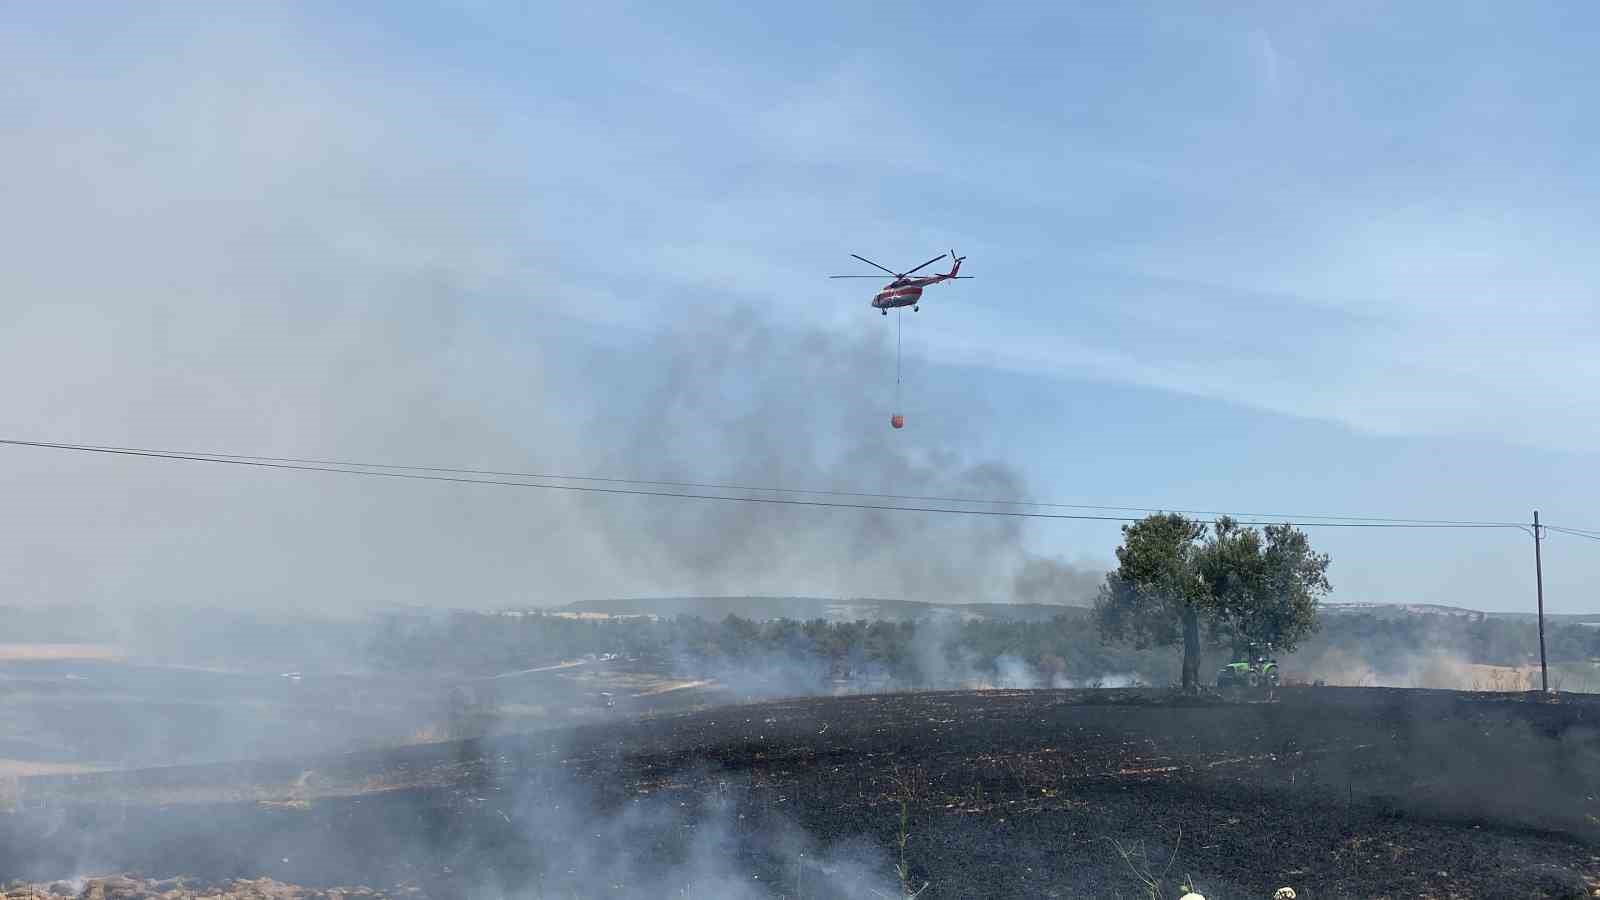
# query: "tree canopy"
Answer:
x=1175 y=575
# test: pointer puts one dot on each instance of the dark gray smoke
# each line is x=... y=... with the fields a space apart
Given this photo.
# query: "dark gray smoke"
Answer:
x=314 y=265
x=1053 y=580
x=739 y=399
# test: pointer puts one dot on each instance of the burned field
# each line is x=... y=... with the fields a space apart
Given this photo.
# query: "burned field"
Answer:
x=1335 y=792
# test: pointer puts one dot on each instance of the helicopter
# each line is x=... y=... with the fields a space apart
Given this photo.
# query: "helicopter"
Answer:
x=905 y=290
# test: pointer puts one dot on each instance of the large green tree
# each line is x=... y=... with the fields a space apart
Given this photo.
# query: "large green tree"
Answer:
x=1176 y=575
x=1267 y=584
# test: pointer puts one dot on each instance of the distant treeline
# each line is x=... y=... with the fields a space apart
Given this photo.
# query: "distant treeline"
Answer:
x=1388 y=642
x=1062 y=650
x=1065 y=650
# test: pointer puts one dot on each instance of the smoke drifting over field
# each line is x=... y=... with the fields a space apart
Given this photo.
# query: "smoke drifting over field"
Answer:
x=240 y=235
x=668 y=842
x=254 y=265
x=554 y=832
x=741 y=400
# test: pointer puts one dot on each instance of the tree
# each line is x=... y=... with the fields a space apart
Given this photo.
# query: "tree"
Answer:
x=1174 y=574
x=1156 y=596
x=1269 y=585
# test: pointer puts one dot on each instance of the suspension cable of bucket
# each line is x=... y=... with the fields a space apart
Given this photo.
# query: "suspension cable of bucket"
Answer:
x=905 y=290
x=896 y=419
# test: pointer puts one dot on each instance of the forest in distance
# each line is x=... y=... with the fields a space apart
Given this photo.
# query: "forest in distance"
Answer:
x=1039 y=647
x=1064 y=651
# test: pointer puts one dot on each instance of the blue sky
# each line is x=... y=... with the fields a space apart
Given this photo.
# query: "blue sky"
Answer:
x=1248 y=257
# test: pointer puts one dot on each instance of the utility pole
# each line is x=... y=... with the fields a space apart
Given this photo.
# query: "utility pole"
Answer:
x=1538 y=576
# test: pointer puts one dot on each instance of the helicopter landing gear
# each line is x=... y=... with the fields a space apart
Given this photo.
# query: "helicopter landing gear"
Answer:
x=884 y=311
x=916 y=309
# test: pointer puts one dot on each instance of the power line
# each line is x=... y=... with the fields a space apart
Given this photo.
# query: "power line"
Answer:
x=259 y=463
x=1573 y=532
x=486 y=476
x=338 y=468
x=374 y=471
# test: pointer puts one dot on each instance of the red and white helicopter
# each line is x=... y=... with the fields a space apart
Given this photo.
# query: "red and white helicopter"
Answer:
x=905 y=290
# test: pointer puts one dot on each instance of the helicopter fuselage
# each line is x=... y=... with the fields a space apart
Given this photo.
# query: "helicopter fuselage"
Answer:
x=905 y=291
x=897 y=295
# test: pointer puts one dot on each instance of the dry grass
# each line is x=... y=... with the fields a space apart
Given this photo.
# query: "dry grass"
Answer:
x=909 y=789
x=1448 y=673
x=675 y=686
x=22 y=768
x=38 y=652
x=125 y=887
x=1151 y=883
x=432 y=733
x=1505 y=679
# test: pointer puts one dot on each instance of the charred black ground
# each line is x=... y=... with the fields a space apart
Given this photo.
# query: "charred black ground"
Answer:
x=1337 y=792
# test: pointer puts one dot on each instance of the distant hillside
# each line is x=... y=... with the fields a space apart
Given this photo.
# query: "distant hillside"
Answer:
x=835 y=609
x=832 y=609
x=1402 y=610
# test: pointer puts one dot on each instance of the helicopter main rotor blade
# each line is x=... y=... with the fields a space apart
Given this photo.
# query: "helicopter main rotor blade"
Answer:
x=926 y=264
x=877 y=277
x=871 y=263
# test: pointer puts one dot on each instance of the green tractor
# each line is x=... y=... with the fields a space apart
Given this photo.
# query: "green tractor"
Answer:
x=1252 y=668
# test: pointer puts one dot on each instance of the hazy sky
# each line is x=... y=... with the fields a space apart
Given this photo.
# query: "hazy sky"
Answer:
x=1253 y=258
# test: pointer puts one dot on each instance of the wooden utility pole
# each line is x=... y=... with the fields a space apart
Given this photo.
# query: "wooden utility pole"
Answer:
x=1538 y=580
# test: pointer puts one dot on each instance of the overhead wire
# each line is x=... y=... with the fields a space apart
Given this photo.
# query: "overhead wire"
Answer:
x=721 y=486
x=460 y=476
x=1572 y=532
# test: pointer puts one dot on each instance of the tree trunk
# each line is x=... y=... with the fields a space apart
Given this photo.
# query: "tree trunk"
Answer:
x=1191 y=650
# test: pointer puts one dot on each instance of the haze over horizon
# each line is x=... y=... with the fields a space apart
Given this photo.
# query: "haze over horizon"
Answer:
x=1278 y=261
